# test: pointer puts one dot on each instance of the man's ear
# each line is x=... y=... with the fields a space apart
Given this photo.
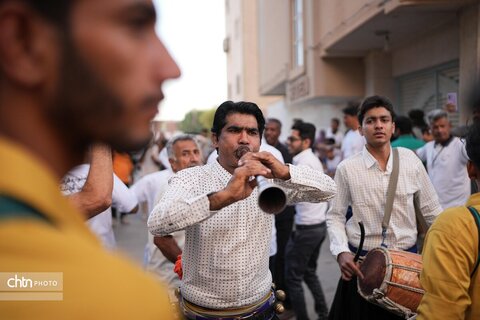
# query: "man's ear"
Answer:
x=27 y=44
x=172 y=163
x=214 y=140
x=306 y=143
x=360 y=130
x=472 y=170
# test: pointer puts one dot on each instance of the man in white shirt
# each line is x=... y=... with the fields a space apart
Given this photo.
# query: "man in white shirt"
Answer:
x=101 y=224
x=303 y=248
x=161 y=252
x=362 y=183
x=225 y=259
x=334 y=133
x=353 y=141
x=264 y=146
x=446 y=160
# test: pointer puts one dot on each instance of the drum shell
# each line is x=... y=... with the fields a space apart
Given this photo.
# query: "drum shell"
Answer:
x=396 y=274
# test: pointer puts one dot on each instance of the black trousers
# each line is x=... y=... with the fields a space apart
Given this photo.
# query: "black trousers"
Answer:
x=301 y=256
x=349 y=305
x=284 y=225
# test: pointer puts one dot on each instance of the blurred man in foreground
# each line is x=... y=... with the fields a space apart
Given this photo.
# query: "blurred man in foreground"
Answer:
x=71 y=73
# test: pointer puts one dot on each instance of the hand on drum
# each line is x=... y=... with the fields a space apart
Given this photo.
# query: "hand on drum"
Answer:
x=348 y=267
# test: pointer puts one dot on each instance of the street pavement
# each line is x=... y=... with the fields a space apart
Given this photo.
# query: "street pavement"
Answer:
x=132 y=236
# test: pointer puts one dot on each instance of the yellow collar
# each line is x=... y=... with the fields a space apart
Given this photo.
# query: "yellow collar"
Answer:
x=474 y=200
x=28 y=180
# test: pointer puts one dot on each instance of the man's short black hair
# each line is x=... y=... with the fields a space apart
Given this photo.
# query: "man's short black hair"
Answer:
x=351 y=109
x=472 y=144
x=375 y=102
x=305 y=130
x=274 y=120
x=336 y=120
x=418 y=118
x=242 y=107
x=404 y=125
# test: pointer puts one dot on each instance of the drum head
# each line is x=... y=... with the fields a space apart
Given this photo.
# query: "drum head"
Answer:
x=373 y=269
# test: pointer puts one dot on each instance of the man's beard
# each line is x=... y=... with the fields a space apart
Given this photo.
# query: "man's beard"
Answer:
x=84 y=108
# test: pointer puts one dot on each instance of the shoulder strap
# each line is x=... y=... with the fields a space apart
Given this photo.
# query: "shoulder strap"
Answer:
x=422 y=225
x=392 y=186
x=13 y=208
x=476 y=217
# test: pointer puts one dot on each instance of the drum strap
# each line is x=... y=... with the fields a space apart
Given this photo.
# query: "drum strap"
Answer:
x=476 y=217
x=392 y=186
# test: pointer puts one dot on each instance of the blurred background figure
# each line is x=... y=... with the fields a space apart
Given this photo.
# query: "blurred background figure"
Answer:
x=283 y=220
x=162 y=252
x=303 y=248
x=417 y=117
x=446 y=159
x=333 y=132
x=404 y=136
x=353 y=142
x=74 y=183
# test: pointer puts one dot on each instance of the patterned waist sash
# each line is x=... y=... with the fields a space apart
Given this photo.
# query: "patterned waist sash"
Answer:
x=261 y=310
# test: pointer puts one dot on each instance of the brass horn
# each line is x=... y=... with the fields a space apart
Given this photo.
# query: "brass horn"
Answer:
x=271 y=198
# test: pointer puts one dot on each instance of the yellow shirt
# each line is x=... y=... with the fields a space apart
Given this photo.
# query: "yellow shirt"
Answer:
x=96 y=284
x=449 y=257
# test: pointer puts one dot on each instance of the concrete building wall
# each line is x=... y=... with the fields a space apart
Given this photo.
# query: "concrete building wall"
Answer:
x=235 y=43
x=358 y=48
x=273 y=45
x=469 y=56
x=428 y=50
x=242 y=54
x=378 y=74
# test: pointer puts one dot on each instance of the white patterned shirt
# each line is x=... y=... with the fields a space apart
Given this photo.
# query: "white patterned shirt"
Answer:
x=225 y=260
x=363 y=185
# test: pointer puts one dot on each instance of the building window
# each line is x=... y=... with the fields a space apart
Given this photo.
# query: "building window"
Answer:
x=297 y=32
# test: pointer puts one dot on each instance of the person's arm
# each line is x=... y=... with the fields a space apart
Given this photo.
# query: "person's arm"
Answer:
x=123 y=198
x=96 y=195
x=181 y=207
x=139 y=189
x=336 y=221
x=426 y=196
x=449 y=255
x=168 y=246
x=422 y=153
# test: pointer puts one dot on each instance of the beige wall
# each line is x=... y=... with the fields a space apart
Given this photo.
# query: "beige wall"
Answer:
x=429 y=50
x=378 y=74
x=242 y=57
x=234 y=33
x=273 y=45
x=469 y=56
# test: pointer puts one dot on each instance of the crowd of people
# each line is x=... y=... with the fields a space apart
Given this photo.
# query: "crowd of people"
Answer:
x=79 y=87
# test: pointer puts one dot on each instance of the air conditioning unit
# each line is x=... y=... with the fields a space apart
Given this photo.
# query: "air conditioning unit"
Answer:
x=226 y=44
